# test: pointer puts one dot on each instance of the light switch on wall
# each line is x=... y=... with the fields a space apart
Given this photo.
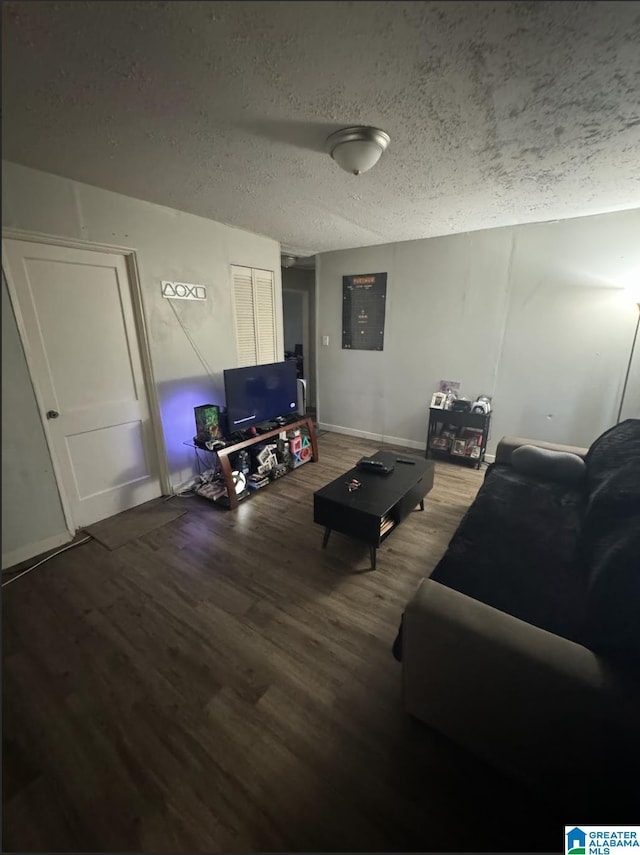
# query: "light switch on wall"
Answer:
x=325 y=341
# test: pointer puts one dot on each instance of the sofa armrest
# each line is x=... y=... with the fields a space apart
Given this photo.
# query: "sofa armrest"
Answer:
x=508 y=445
x=541 y=708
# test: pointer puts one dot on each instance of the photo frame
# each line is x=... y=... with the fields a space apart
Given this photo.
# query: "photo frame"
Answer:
x=438 y=400
x=450 y=386
x=441 y=443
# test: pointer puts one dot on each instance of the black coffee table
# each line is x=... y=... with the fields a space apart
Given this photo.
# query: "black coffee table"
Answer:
x=375 y=509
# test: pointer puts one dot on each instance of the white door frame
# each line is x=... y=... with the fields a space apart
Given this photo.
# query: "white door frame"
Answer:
x=131 y=262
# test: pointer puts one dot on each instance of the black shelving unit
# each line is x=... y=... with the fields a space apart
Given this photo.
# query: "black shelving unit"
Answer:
x=440 y=420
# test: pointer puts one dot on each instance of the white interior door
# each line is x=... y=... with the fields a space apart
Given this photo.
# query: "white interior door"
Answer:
x=77 y=323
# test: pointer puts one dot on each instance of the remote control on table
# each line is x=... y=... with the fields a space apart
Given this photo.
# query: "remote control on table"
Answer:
x=372 y=464
x=404 y=460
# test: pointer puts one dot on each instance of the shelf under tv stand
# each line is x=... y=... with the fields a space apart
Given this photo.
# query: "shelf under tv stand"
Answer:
x=225 y=463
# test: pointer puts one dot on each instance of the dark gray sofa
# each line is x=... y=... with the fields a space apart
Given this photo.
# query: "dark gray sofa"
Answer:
x=524 y=645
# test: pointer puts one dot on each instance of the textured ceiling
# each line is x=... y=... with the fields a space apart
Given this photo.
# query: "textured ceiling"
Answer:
x=499 y=113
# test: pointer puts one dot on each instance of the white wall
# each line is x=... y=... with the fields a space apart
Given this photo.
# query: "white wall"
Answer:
x=169 y=244
x=631 y=403
x=533 y=315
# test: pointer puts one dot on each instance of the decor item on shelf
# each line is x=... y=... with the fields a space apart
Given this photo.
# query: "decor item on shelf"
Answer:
x=208 y=425
x=451 y=388
x=438 y=400
x=256 y=481
x=239 y=481
x=357 y=149
x=441 y=443
x=242 y=462
x=482 y=405
x=267 y=456
x=301 y=450
x=460 y=405
x=471 y=444
x=634 y=293
x=283 y=453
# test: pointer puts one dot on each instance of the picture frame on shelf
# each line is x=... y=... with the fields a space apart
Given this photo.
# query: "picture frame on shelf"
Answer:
x=459 y=447
x=452 y=386
x=438 y=400
x=473 y=440
x=441 y=443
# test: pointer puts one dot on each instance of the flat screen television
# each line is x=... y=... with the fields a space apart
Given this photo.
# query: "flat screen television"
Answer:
x=260 y=393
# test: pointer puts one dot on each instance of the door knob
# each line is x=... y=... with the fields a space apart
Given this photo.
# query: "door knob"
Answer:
x=52 y=414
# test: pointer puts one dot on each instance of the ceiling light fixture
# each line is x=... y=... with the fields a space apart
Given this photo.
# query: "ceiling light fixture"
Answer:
x=358 y=149
x=288 y=260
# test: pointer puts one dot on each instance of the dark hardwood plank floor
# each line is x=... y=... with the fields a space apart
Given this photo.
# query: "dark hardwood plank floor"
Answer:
x=224 y=684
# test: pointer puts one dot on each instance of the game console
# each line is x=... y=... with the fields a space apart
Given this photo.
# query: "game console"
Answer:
x=371 y=465
x=482 y=405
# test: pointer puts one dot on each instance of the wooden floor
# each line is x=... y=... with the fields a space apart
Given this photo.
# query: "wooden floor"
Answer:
x=225 y=684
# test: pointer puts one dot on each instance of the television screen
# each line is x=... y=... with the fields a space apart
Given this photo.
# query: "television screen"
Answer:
x=259 y=393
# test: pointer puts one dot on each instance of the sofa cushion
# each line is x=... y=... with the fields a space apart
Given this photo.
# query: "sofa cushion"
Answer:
x=515 y=550
x=508 y=445
x=550 y=465
x=609 y=544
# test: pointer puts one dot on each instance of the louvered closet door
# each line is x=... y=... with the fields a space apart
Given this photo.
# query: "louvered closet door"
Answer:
x=245 y=322
x=254 y=300
x=265 y=315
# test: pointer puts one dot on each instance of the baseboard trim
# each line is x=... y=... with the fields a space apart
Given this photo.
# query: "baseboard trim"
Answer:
x=10 y=559
x=377 y=437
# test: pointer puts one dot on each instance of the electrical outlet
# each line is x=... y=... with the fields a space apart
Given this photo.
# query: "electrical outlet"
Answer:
x=325 y=341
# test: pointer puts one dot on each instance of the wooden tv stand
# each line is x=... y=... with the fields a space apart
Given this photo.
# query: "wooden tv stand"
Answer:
x=225 y=463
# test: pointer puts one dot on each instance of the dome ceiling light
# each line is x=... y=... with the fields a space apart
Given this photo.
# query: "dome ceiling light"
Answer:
x=288 y=260
x=357 y=149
